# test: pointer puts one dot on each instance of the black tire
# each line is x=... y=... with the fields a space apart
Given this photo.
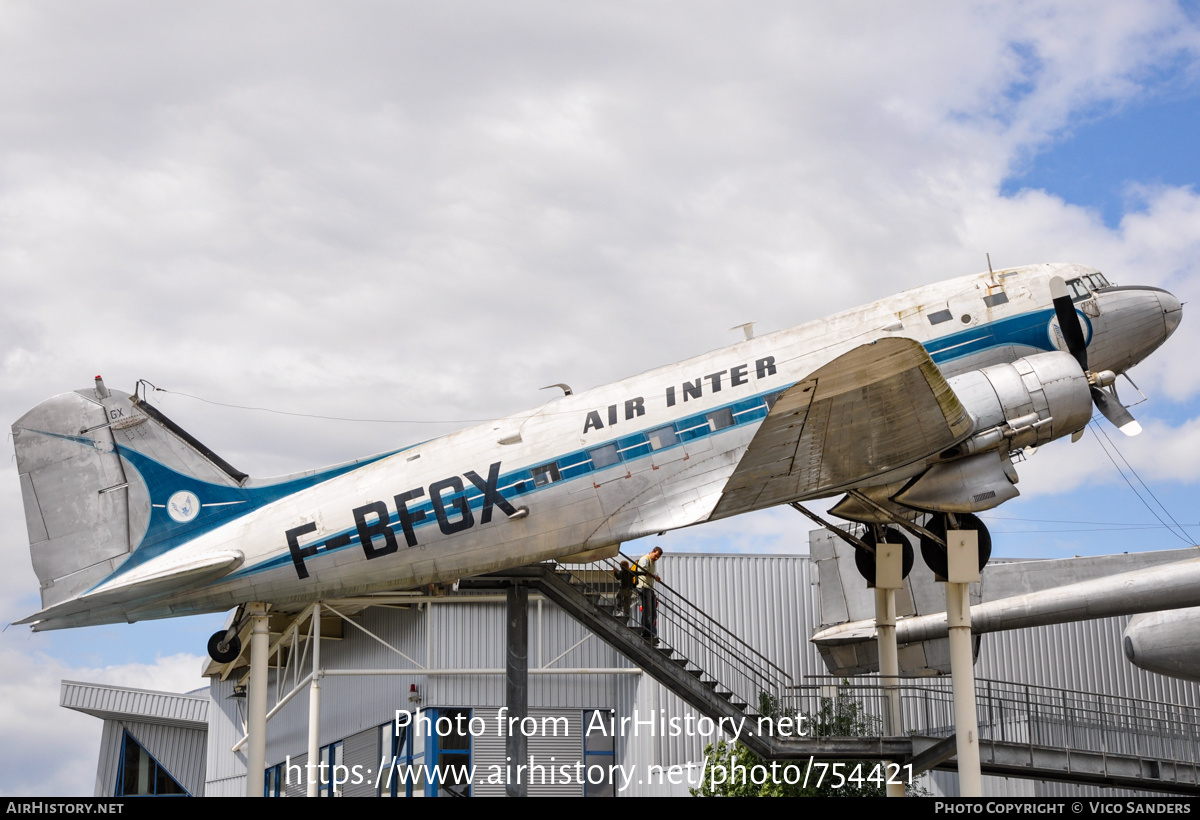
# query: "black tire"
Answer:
x=232 y=650
x=865 y=561
x=935 y=554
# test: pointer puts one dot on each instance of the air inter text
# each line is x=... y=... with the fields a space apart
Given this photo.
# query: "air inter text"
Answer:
x=687 y=391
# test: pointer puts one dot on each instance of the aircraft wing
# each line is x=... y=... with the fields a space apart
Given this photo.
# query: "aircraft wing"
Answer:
x=871 y=411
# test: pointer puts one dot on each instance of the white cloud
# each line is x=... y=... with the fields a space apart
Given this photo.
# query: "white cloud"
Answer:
x=429 y=212
x=50 y=750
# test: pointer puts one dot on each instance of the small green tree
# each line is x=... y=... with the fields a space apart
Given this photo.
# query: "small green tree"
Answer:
x=732 y=769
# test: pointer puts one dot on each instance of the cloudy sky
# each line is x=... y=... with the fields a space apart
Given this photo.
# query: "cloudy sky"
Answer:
x=425 y=212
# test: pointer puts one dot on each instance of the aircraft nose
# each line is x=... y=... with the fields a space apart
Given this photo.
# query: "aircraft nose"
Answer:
x=1172 y=310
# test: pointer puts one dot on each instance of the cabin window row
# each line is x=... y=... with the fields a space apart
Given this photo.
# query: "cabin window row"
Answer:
x=641 y=444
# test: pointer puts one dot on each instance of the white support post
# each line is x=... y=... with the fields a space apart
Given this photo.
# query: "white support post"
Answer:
x=256 y=727
x=889 y=569
x=962 y=556
x=312 y=777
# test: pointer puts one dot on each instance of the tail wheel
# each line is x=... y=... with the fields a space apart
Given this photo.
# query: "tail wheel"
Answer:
x=223 y=652
x=935 y=554
x=865 y=561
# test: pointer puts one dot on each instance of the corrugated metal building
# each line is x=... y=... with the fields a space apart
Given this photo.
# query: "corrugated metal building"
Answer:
x=765 y=599
x=152 y=742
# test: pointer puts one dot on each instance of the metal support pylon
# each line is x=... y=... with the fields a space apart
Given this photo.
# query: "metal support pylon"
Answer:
x=256 y=723
x=962 y=553
x=516 y=688
x=312 y=776
x=889 y=576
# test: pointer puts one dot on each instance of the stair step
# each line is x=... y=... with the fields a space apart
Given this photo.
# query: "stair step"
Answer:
x=666 y=651
x=695 y=673
x=741 y=707
x=680 y=660
x=711 y=684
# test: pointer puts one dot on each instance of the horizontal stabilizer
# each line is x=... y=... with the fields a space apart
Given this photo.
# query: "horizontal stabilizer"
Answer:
x=140 y=585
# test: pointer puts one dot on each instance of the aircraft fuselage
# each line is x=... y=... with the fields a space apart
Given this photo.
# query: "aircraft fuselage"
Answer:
x=582 y=472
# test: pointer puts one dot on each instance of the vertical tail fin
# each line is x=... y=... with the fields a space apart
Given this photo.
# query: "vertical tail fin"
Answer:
x=86 y=510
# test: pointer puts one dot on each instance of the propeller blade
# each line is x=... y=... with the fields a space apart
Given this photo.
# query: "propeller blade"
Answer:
x=1115 y=412
x=1068 y=321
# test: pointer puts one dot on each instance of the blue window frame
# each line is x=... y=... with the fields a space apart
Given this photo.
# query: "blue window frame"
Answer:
x=332 y=758
x=599 y=752
x=406 y=777
x=273 y=785
x=449 y=752
x=138 y=773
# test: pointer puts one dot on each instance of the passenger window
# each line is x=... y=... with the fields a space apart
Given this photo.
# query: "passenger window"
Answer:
x=604 y=456
x=662 y=437
x=545 y=474
x=720 y=419
x=940 y=316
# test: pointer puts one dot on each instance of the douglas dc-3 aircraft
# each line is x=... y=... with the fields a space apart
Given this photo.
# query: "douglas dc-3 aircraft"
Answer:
x=916 y=401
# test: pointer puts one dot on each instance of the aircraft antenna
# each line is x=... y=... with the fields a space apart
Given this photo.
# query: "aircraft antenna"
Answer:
x=747 y=329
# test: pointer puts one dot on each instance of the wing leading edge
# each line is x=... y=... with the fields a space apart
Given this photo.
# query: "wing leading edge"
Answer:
x=869 y=412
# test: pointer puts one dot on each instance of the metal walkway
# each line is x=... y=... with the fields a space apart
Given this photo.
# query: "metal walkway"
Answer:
x=1029 y=731
x=1025 y=731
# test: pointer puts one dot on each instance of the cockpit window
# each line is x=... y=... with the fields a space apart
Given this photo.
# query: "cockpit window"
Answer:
x=1078 y=290
x=1081 y=287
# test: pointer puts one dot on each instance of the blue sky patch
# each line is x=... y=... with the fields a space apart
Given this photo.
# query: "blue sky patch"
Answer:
x=1100 y=163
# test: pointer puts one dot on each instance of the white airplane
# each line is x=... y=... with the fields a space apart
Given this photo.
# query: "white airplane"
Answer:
x=916 y=401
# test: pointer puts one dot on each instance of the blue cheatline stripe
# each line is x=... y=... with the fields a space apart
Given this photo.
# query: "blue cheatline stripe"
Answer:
x=1029 y=329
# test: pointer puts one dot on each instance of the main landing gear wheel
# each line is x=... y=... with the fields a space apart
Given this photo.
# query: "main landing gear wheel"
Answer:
x=865 y=561
x=223 y=652
x=935 y=554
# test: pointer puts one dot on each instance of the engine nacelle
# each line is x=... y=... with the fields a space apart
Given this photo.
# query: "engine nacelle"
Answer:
x=1027 y=403
x=1164 y=642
